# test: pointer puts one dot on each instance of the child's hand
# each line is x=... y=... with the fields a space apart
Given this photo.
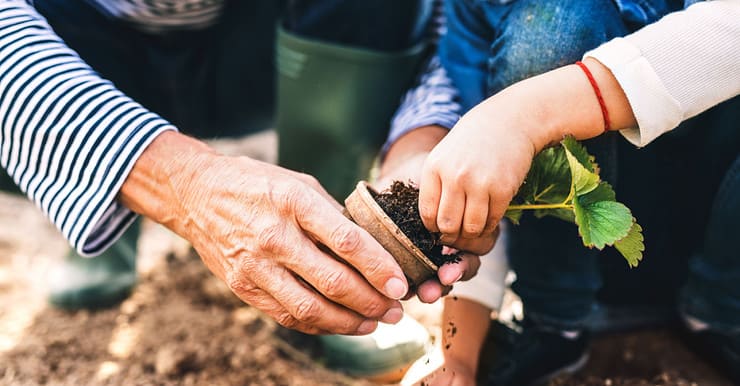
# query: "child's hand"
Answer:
x=404 y=162
x=470 y=177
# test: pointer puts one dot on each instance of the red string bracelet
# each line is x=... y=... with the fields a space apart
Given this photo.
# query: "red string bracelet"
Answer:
x=604 y=111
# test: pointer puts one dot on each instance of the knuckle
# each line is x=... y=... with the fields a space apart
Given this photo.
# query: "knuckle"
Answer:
x=270 y=238
x=374 y=309
x=471 y=230
x=335 y=284
x=286 y=320
x=286 y=195
x=447 y=226
x=240 y=285
x=465 y=177
x=345 y=239
x=307 y=311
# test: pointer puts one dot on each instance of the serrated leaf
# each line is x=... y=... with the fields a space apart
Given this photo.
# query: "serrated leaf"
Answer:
x=632 y=246
x=579 y=151
x=583 y=177
x=603 y=192
x=548 y=179
x=601 y=223
x=514 y=215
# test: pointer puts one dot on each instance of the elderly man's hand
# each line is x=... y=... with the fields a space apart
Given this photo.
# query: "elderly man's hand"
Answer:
x=271 y=234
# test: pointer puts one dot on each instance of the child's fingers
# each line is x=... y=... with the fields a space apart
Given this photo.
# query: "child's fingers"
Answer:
x=479 y=245
x=496 y=210
x=452 y=204
x=476 y=214
x=430 y=188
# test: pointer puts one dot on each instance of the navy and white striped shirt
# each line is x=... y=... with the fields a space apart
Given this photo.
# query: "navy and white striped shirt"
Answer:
x=69 y=138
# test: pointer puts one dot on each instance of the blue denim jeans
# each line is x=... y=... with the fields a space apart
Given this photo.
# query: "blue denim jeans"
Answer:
x=683 y=188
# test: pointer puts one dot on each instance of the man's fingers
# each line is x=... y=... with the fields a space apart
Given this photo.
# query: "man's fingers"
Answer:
x=261 y=300
x=341 y=284
x=431 y=290
x=306 y=307
x=353 y=245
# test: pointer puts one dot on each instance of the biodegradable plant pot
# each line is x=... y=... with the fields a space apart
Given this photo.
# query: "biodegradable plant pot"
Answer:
x=362 y=208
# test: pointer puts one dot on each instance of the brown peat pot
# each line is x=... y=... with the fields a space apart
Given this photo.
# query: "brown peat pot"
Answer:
x=361 y=207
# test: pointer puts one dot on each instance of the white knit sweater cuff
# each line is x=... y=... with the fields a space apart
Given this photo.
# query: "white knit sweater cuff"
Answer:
x=655 y=109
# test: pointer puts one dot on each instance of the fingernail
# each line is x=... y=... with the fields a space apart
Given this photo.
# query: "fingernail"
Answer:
x=367 y=327
x=393 y=316
x=455 y=280
x=395 y=288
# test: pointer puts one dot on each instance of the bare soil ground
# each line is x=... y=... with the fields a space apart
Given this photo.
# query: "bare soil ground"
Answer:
x=183 y=327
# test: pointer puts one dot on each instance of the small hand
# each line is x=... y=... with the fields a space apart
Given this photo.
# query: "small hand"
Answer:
x=469 y=178
x=404 y=162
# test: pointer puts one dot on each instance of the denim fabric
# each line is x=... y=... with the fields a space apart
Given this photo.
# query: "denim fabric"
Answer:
x=670 y=185
x=712 y=294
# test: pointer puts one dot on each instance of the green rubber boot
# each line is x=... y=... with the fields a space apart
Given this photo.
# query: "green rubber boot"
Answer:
x=89 y=283
x=383 y=356
x=334 y=105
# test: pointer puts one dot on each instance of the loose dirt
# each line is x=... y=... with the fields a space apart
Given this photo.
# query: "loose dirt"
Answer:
x=181 y=326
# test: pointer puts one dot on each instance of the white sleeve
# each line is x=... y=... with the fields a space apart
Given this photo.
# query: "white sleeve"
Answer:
x=489 y=285
x=68 y=137
x=677 y=67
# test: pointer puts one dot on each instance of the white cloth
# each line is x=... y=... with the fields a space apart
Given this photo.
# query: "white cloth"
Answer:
x=489 y=285
x=676 y=67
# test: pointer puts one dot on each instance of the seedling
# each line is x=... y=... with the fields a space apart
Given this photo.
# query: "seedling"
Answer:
x=564 y=182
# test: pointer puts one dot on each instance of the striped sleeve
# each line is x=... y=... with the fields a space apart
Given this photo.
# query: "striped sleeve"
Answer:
x=433 y=100
x=68 y=137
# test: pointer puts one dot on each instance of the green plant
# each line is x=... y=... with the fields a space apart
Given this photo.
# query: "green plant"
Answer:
x=564 y=182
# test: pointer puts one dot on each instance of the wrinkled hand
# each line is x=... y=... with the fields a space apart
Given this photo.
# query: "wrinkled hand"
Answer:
x=470 y=177
x=263 y=230
x=407 y=167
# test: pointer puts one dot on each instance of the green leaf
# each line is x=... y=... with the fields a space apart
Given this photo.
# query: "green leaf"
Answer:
x=631 y=246
x=548 y=179
x=514 y=215
x=563 y=214
x=581 y=167
x=579 y=151
x=601 y=223
x=603 y=192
